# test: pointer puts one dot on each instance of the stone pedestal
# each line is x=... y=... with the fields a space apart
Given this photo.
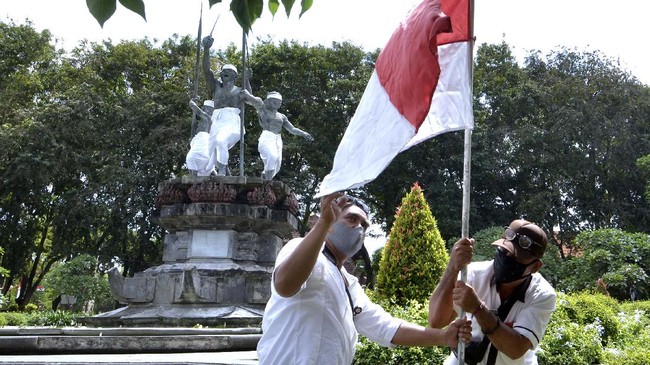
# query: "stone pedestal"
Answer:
x=222 y=238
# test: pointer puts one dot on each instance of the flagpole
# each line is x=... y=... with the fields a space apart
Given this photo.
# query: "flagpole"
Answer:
x=243 y=105
x=467 y=164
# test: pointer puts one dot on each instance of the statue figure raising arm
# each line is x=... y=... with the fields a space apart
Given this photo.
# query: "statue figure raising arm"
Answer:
x=225 y=130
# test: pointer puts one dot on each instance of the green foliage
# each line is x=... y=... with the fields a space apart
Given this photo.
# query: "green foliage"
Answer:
x=596 y=329
x=51 y=318
x=414 y=256
x=630 y=347
x=15 y=318
x=370 y=353
x=620 y=259
x=31 y=308
x=79 y=277
x=596 y=310
x=643 y=163
x=567 y=342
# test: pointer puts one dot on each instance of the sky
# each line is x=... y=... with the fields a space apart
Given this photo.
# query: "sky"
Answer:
x=615 y=28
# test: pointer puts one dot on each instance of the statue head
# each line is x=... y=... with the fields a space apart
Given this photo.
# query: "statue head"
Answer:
x=228 y=72
x=208 y=106
x=273 y=99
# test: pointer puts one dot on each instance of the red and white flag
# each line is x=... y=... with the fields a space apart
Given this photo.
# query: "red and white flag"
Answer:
x=420 y=88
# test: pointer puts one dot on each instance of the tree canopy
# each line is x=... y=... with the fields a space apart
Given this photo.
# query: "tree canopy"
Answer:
x=87 y=136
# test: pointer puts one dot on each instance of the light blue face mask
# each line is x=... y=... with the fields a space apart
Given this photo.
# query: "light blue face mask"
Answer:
x=348 y=240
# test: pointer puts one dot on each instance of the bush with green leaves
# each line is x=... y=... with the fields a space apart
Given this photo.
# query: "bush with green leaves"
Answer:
x=79 y=277
x=414 y=257
x=568 y=342
x=620 y=259
x=630 y=346
x=15 y=318
x=52 y=318
x=593 y=309
x=371 y=353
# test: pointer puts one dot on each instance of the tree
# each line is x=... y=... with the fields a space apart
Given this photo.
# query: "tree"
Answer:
x=246 y=12
x=414 y=256
x=80 y=278
x=81 y=161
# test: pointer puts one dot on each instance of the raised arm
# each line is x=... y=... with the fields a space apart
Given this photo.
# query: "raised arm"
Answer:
x=441 y=305
x=209 y=75
x=296 y=268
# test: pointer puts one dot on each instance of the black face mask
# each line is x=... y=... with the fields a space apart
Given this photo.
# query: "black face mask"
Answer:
x=507 y=269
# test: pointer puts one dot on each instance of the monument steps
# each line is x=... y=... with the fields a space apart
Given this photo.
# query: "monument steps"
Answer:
x=74 y=340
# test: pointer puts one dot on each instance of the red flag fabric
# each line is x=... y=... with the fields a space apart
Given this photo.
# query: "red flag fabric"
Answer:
x=418 y=90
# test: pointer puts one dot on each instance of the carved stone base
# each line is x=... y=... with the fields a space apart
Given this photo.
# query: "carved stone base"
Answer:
x=218 y=255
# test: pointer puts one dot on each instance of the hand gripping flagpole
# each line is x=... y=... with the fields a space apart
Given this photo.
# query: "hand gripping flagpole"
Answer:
x=467 y=159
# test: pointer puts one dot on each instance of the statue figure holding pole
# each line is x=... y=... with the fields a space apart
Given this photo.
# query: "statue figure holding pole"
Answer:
x=225 y=129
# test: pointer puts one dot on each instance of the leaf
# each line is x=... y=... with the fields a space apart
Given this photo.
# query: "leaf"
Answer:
x=273 y=6
x=102 y=10
x=288 y=4
x=136 y=6
x=213 y=2
x=305 y=5
x=246 y=12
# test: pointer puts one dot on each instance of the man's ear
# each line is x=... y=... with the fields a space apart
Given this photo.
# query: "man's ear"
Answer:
x=538 y=265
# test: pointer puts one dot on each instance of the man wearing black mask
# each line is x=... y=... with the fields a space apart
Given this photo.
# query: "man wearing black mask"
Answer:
x=509 y=302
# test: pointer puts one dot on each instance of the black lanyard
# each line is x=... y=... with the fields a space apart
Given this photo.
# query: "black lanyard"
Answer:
x=330 y=256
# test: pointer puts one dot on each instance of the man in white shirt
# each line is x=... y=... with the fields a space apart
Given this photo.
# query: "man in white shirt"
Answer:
x=509 y=284
x=316 y=308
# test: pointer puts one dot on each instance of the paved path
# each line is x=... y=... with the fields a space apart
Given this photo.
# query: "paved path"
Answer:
x=192 y=358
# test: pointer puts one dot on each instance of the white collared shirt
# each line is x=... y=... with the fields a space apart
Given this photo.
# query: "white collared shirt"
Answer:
x=529 y=318
x=316 y=326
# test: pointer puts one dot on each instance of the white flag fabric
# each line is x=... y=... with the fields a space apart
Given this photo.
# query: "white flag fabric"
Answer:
x=418 y=90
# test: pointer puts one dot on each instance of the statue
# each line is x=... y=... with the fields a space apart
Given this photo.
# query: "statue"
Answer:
x=225 y=130
x=270 y=142
x=199 y=155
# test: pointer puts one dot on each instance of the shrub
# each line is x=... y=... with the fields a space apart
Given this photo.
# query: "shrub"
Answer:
x=620 y=259
x=14 y=318
x=50 y=318
x=630 y=347
x=567 y=342
x=414 y=256
x=31 y=307
x=598 y=310
x=371 y=353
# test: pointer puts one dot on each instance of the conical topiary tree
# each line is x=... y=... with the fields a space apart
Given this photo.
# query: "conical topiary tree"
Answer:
x=414 y=256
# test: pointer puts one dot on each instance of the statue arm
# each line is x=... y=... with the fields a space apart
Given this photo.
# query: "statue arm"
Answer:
x=295 y=131
x=209 y=75
x=195 y=108
x=251 y=99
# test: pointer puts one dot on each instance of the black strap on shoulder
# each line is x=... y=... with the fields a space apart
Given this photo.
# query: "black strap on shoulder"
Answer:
x=330 y=256
x=503 y=311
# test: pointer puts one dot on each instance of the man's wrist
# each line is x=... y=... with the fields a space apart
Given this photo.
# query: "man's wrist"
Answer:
x=481 y=307
x=494 y=328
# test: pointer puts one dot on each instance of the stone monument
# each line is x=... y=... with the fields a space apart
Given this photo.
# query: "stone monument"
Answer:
x=222 y=237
